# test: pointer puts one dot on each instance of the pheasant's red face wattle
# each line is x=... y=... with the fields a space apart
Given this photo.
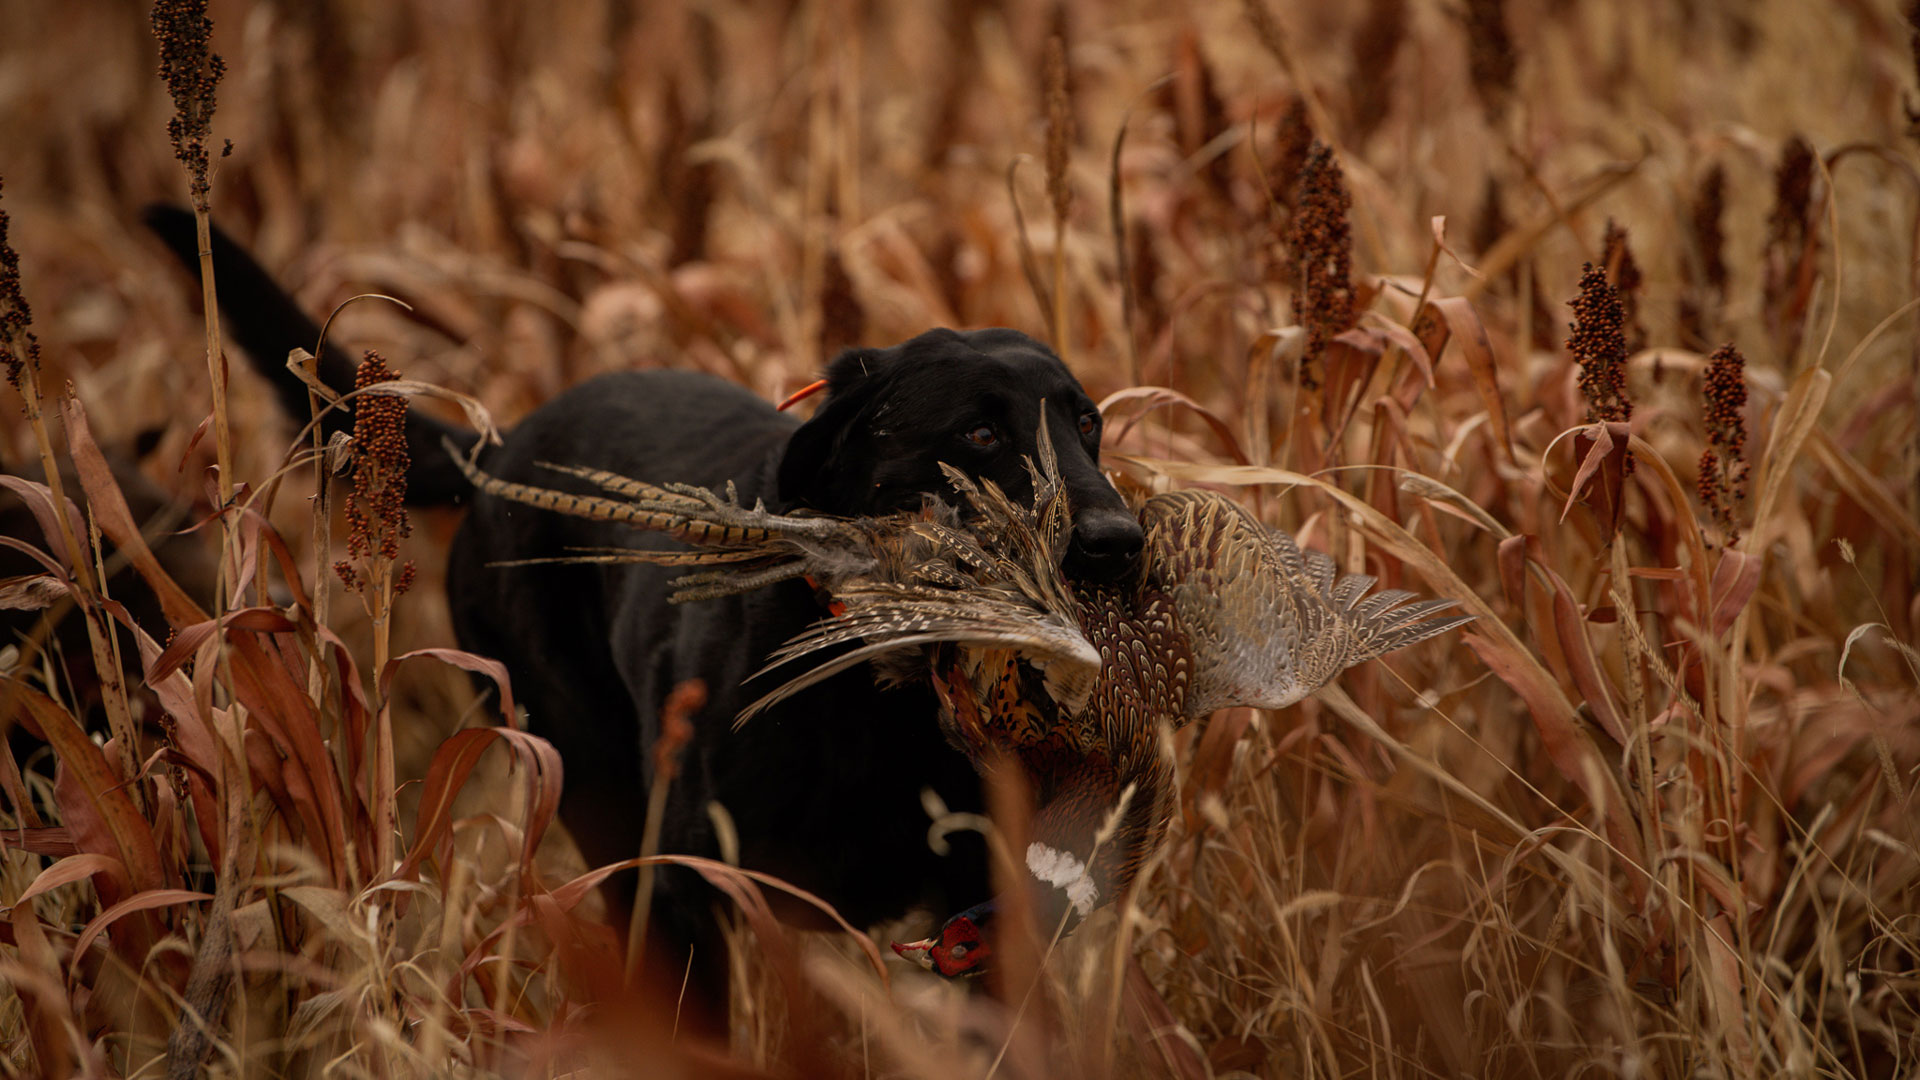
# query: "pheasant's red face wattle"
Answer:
x=961 y=948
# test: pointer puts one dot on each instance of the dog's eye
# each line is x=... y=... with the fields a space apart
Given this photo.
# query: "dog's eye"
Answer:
x=1089 y=420
x=983 y=436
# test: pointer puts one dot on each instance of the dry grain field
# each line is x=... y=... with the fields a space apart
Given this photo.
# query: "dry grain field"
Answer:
x=1596 y=317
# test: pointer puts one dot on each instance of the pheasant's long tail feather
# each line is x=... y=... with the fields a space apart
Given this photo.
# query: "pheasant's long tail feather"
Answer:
x=742 y=547
x=610 y=482
x=610 y=555
x=592 y=507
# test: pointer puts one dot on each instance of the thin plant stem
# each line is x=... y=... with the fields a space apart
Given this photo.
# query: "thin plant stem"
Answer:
x=217 y=379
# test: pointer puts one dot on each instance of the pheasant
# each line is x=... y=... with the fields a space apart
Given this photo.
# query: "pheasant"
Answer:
x=1068 y=683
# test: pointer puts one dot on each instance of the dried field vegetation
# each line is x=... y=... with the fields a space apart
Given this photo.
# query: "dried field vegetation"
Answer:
x=1653 y=816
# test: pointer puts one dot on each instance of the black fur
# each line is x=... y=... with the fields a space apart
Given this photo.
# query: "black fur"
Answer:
x=825 y=789
x=265 y=322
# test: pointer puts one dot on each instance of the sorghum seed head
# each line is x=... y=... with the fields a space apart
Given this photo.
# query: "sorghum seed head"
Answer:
x=1059 y=114
x=19 y=348
x=1723 y=465
x=1490 y=57
x=1623 y=273
x=376 y=507
x=1322 y=248
x=1792 y=192
x=191 y=71
x=1598 y=343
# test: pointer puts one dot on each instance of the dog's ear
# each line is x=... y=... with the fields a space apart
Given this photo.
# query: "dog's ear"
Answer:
x=810 y=469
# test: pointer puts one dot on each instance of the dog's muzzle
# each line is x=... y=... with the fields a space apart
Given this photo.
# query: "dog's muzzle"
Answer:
x=1105 y=545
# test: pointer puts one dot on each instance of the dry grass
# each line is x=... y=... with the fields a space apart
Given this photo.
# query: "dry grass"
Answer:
x=1653 y=817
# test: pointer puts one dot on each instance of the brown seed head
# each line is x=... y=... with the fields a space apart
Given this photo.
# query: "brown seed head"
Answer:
x=1490 y=57
x=1213 y=121
x=1322 y=247
x=1146 y=272
x=1708 y=204
x=191 y=70
x=1706 y=273
x=1723 y=465
x=1193 y=99
x=376 y=507
x=1492 y=223
x=1792 y=192
x=1599 y=345
x=1786 y=284
x=1288 y=154
x=685 y=185
x=19 y=348
x=1059 y=115
x=1623 y=273
x=958 y=80
x=1376 y=48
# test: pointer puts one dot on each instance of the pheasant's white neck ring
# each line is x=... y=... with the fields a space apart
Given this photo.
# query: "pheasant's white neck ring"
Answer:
x=1061 y=870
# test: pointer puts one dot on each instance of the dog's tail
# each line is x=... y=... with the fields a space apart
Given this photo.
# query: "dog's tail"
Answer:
x=265 y=322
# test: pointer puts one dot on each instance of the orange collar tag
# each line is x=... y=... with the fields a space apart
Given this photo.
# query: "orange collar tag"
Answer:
x=801 y=395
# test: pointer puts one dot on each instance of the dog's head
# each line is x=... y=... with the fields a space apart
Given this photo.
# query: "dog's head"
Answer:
x=973 y=400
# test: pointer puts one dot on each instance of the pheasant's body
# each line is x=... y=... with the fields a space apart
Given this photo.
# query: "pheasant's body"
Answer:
x=1078 y=763
x=1072 y=684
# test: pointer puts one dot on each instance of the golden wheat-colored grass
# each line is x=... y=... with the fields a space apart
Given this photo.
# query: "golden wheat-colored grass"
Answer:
x=1652 y=816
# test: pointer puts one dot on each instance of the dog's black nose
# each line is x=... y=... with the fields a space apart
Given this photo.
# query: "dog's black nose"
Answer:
x=1105 y=545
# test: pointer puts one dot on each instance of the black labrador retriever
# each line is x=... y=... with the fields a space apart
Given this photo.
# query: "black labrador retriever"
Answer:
x=825 y=790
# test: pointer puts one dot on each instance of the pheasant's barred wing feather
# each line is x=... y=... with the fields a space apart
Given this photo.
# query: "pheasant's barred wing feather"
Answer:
x=885 y=618
x=1269 y=623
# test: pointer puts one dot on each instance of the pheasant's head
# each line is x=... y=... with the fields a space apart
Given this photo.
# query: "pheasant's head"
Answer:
x=960 y=948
